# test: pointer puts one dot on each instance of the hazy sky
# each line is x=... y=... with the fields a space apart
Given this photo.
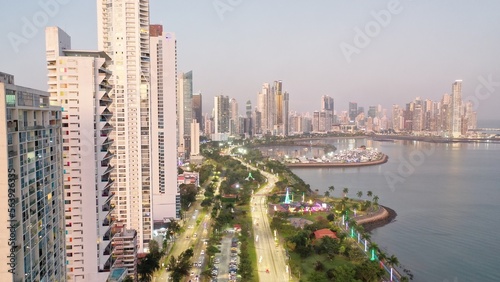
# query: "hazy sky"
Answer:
x=393 y=52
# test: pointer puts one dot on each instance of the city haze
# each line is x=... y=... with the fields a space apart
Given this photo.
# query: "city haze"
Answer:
x=233 y=47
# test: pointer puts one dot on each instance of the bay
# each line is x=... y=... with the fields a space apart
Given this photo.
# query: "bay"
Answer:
x=447 y=197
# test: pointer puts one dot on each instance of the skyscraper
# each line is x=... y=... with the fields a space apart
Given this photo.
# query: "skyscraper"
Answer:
x=185 y=110
x=286 y=109
x=195 y=138
x=221 y=114
x=265 y=105
x=31 y=185
x=166 y=199
x=123 y=32
x=198 y=109
x=456 y=107
x=78 y=81
x=279 y=108
x=234 y=117
x=327 y=105
x=353 y=111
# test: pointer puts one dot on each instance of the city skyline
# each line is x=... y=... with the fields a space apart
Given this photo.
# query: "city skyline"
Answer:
x=417 y=49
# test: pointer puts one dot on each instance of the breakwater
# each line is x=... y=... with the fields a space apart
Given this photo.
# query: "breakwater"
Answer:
x=333 y=164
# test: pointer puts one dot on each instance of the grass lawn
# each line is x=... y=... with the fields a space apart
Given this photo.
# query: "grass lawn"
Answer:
x=307 y=264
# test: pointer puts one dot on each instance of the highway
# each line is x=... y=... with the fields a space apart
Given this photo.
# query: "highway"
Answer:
x=270 y=256
x=188 y=238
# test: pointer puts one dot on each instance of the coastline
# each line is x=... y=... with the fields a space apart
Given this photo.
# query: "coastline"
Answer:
x=432 y=139
x=316 y=165
x=383 y=216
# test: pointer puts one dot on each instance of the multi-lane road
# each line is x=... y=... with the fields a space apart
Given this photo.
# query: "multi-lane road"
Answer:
x=192 y=237
x=271 y=259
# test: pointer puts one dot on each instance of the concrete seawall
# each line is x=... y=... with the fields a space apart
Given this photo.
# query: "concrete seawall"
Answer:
x=382 y=217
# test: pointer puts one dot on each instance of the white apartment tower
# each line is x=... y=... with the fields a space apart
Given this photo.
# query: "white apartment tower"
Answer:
x=234 y=119
x=164 y=128
x=31 y=185
x=123 y=33
x=78 y=81
x=195 y=138
x=265 y=105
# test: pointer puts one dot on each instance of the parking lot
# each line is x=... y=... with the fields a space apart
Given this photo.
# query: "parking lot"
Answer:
x=227 y=261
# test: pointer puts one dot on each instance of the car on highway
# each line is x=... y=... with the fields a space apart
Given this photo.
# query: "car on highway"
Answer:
x=202 y=252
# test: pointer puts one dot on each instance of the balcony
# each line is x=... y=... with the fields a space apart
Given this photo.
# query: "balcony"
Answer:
x=108 y=250
x=108 y=141
x=105 y=162
x=109 y=169
x=106 y=113
x=105 y=84
x=108 y=156
x=110 y=182
x=108 y=221
x=104 y=70
x=108 y=207
x=105 y=192
x=109 y=263
x=106 y=127
x=108 y=235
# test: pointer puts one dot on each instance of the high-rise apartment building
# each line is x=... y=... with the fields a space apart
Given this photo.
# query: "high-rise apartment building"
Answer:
x=234 y=117
x=286 y=109
x=125 y=248
x=456 y=109
x=185 y=111
x=221 y=114
x=31 y=185
x=195 y=138
x=353 y=111
x=328 y=106
x=164 y=129
x=266 y=106
x=123 y=33
x=198 y=109
x=279 y=108
x=78 y=81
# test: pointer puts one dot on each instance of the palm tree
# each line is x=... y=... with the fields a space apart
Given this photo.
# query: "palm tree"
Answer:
x=375 y=199
x=382 y=256
x=327 y=194
x=331 y=189
x=345 y=191
x=392 y=261
x=369 y=193
x=174 y=226
x=359 y=194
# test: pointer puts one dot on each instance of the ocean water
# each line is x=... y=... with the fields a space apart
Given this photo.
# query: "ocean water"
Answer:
x=447 y=197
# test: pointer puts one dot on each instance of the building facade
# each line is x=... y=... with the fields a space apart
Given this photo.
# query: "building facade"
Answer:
x=78 y=81
x=31 y=185
x=185 y=111
x=123 y=33
x=164 y=126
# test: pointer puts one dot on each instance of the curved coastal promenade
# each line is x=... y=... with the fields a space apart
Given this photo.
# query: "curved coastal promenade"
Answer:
x=315 y=165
